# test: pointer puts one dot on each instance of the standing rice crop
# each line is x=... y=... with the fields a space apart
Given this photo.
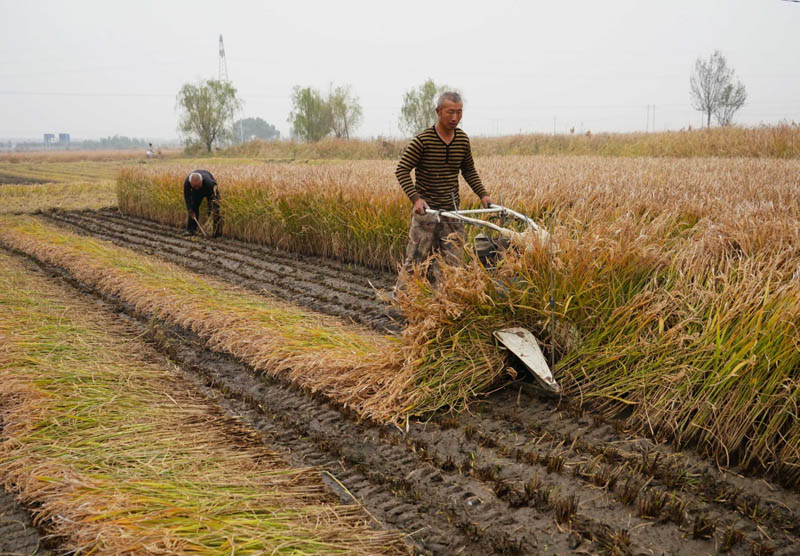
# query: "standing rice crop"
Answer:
x=775 y=141
x=355 y=211
x=675 y=282
x=333 y=210
x=680 y=329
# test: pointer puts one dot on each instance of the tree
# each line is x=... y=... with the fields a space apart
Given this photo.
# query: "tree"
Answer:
x=115 y=142
x=208 y=107
x=254 y=128
x=713 y=90
x=731 y=99
x=310 y=117
x=345 y=111
x=419 y=108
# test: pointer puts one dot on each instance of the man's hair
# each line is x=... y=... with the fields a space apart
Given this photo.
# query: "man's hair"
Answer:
x=194 y=176
x=452 y=96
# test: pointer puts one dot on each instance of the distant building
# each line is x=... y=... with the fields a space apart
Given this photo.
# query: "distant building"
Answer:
x=49 y=139
x=63 y=139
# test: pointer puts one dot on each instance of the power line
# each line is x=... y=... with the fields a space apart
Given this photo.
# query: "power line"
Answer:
x=83 y=94
x=145 y=94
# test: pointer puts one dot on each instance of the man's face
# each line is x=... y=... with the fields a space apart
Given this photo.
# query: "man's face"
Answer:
x=450 y=114
x=196 y=182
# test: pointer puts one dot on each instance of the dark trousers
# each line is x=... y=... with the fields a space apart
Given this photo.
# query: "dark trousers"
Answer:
x=429 y=235
x=213 y=208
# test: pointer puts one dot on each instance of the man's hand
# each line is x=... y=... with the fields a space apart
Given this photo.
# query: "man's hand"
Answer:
x=486 y=201
x=419 y=206
x=191 y=214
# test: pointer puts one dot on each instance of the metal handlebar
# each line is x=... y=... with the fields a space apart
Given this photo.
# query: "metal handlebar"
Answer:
x=461 y=215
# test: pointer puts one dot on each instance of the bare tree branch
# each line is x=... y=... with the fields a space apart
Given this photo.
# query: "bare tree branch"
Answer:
x=712 y=89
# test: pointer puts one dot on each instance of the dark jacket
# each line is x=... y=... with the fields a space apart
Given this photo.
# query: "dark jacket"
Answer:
x=206 y=190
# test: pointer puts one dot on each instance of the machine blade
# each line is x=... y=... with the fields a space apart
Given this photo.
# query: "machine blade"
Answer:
x=522 y=343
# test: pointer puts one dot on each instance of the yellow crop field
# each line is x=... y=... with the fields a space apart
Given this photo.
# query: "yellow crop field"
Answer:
x=773 y=141
x=676 y=277
x=673 y=331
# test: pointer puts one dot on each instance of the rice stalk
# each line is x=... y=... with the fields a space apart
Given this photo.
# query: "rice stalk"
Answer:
x=119 y=457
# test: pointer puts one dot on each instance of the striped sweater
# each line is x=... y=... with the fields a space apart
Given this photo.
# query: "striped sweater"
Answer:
x=437 y=165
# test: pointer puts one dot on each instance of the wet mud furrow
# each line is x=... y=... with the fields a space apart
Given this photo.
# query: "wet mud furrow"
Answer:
x=328 y=267
x=359 y=278
x=643 y=492
x=519 y=471
x=300 y=282
x=443 y=512
x=595 y=444
x=288 y=421
x=18 y=536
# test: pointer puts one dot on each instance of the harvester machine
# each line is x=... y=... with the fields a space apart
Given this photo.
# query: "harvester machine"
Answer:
x=490 y=248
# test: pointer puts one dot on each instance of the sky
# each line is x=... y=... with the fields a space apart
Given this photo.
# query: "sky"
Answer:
x=100 y=68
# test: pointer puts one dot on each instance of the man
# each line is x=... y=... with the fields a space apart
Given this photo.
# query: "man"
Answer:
x=197 y=186
x=438 y=154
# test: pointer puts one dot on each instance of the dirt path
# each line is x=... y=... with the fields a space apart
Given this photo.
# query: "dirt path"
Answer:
x=520 y=474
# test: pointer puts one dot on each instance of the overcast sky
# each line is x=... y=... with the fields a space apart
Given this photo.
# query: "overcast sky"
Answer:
x=98 y=68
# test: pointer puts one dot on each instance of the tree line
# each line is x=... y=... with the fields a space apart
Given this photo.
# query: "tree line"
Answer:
x=208 y=107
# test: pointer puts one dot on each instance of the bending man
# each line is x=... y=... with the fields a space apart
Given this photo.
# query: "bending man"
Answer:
x=438 y=154
x=197 y=186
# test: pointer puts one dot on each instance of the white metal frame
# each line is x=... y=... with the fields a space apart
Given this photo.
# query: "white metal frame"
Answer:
x=493 y=209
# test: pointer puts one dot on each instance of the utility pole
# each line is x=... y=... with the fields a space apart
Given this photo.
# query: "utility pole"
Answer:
x=223 y=78
x=223 y=64
x=651 y=118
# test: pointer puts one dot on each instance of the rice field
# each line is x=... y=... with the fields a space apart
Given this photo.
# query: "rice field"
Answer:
x=673 y=329
x=66 y=180
x=29 y=185
x=110 y=478
x=775 y=141
x=80 y=156
x=36 y=197
x=676 y=279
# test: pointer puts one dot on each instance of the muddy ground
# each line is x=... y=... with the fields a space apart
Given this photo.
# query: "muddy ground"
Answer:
x=327 y=286
x=12 y=179
x=519 y=474
x=18 y=536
